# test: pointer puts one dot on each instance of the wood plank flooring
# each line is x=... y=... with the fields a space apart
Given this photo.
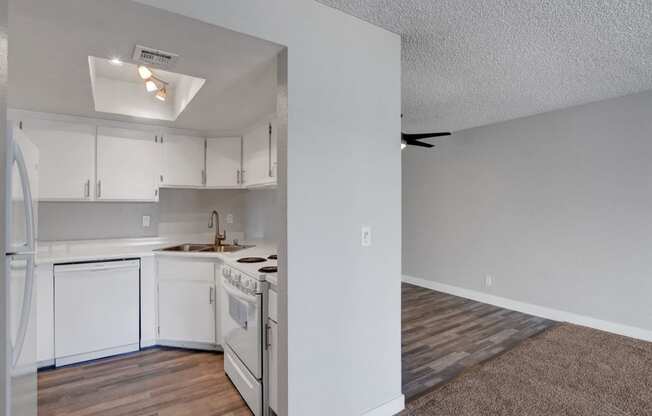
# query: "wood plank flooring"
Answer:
x=442 y=335
x=155 y=382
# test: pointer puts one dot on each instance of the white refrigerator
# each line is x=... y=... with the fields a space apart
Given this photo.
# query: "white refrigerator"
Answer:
x=19 y=288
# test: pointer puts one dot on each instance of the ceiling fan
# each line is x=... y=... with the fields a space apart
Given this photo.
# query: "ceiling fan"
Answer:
x=414 y=139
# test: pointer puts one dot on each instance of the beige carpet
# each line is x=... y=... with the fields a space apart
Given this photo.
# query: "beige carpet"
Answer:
x=567 y=370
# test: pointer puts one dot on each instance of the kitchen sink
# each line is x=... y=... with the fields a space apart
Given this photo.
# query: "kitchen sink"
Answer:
x=224 y=248
x=206 y=248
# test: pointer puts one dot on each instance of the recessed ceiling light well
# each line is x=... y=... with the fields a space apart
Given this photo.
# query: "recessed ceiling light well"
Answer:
x=169 y=93
x=116 y=61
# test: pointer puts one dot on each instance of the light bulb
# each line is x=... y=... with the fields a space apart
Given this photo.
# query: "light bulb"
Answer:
x=116 y=61
x=403 y=145
x=151 y=85
x=162 y=94
x=144 y=72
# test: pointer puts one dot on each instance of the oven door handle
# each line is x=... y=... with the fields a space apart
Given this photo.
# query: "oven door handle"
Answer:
x=239 y=294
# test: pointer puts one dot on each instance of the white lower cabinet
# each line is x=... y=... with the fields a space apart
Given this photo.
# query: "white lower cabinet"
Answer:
x=273 y=365
x=272 y=350
x=187 y=303
x=148 y=301
x=44 y=315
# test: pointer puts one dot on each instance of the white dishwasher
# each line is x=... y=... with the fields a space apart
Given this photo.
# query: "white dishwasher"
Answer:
x=96 y=310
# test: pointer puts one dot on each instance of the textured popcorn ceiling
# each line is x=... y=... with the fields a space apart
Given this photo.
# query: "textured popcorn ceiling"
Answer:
x=468 y=63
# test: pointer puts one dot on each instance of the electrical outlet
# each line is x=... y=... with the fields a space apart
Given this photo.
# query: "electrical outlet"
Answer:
x=146 y=221
x=488 y=280
x=229 y=219
x=365 y=237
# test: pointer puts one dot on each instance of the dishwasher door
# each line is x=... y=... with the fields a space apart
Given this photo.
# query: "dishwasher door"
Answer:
x=96 y=310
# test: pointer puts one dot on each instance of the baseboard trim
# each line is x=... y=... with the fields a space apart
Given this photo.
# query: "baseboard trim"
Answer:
x=390 y=408
x=147 y=343
x=531 y=309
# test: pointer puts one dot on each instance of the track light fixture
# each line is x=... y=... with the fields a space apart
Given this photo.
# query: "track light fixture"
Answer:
x=153 y=83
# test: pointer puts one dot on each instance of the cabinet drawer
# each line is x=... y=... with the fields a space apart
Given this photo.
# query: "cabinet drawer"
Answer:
x=182 y=269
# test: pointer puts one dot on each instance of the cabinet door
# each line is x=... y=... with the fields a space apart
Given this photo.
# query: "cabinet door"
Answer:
x=45 y=314
x=273 y=364
x=66 y=159
x=128 y=165
x=183 y=161
x=187 y=311
x=147 y=301
x=273 y=148
x=223 y=162
x=256 y=156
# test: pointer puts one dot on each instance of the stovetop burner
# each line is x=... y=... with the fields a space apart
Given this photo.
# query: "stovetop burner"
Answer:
x=251 y=260
x=273 y=257
x=268 y=269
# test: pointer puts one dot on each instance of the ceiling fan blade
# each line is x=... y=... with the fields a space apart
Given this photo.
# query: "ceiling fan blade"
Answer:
x=418 y=143
x=418 y=136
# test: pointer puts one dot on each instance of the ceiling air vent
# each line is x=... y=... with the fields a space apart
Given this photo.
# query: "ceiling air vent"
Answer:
x=154 y=57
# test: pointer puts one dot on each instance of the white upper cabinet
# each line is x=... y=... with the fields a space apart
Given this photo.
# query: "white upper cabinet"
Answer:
x=223 y=162
x=257 y=156
x=183 y=161
x=128 y=165
x=273 y=173
x=67 y=159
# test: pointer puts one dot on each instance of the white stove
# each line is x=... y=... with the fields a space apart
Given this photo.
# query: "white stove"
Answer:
x=245 y=329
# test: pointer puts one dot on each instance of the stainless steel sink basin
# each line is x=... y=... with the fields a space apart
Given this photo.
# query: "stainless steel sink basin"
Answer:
x=224 y=248
x=205 y=248
x=187 y=247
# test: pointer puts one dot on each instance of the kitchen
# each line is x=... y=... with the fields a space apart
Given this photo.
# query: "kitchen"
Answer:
x=155 y=206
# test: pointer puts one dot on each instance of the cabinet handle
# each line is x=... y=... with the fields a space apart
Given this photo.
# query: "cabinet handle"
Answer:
x=211 y=296
x=237 y=177
x=87 y=189
x=203 y=177
x=269 y=151
x=242 y=176
x=161 y=178
x=99 y=189
x=267 y=341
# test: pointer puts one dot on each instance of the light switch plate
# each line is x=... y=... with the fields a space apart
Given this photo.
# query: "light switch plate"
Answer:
x=146 y=221
x=365 y=236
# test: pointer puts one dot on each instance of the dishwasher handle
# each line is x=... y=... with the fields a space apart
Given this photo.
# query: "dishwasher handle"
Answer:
x=98 y=266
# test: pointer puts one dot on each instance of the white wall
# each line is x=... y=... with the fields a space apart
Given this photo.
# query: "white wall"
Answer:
x=556 y=207
x=262 y=211
x=342 y=322
x=179 y=211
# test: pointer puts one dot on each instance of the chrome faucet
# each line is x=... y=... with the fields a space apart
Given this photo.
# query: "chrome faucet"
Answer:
x=219 y=237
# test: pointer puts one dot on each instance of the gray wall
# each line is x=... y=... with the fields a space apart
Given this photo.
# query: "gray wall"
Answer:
x=179 y=211
x=556 y=207
x=343 y=171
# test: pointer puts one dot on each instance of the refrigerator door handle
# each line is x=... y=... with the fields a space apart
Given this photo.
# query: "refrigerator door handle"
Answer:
x=30 y=249
x=30 y=243
x=25 y=311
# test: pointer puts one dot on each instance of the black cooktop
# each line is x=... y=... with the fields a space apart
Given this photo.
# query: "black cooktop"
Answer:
x=251 y=260
x=268 y=269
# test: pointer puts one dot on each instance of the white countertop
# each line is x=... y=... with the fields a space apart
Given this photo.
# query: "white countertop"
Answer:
x=98 y=250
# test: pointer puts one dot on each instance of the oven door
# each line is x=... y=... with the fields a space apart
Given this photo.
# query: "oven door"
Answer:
x=242 y=326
